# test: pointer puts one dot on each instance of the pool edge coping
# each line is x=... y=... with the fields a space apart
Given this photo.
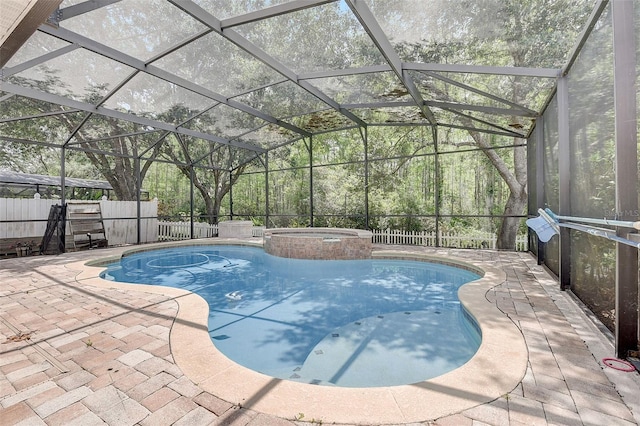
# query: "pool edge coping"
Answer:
x=496 y=369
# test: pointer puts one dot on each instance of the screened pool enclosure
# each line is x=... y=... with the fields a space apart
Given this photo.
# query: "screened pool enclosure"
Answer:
x=438 y=116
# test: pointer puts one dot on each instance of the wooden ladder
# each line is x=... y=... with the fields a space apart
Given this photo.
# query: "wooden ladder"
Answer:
x=85 y=224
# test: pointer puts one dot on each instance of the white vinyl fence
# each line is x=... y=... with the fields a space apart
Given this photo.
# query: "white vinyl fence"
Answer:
x=447 y=239
x=124 y=231
x=174 y=231
x=27 y=218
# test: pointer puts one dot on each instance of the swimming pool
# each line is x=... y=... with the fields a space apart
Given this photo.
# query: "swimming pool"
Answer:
x=357 y=323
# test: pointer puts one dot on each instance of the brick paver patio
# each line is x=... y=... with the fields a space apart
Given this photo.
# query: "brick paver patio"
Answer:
x=72 y=354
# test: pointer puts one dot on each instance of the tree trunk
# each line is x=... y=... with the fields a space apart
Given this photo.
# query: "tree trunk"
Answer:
x=212 y=207
x=509 y=226
x=517 y=183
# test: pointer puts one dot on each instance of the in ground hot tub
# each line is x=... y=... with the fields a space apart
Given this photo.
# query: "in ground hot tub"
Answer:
x=318 y=243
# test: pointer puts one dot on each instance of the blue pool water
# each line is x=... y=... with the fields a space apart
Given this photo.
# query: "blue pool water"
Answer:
x=357 y=323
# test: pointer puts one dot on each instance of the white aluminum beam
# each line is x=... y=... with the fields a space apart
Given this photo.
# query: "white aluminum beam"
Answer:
x=372 y=69
x=371 y=26
x=84 y=7
x=487 y=123
x=268 y=12
x=83 y=106
x=479 y=92
x=6 y=72
x=139 y=65
x=206 y=18
x=482 y=108
x=381 y=104
x=483 y=69
x=475 y=129
x=30 y=142
x=45 y=114
x=454 y=68
x=121 y=135
x=584 y=35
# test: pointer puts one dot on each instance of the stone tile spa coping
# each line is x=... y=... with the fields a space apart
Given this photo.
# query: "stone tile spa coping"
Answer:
x=496 y=369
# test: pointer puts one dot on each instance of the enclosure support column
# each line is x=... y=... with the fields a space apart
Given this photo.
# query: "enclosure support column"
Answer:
x=192 y=226
x=539 y=178
x=310 y=149
x=230 y=196
x=564 y=180
x=434 y=131
x=63 y=199
x=365 y=139
x=136 y=163
x=230 y=186
x=624 y=78
x=266 y=189
x=63 y=172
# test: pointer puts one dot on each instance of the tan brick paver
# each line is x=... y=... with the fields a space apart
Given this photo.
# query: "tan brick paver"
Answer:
x=68 y=414
x=159 y=399
x=118 y=368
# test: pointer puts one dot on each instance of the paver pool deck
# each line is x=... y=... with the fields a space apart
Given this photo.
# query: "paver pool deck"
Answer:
x=78 y=350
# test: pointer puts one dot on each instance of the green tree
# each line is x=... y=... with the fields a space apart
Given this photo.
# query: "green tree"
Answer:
x=112 y=157
x=211 y=168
